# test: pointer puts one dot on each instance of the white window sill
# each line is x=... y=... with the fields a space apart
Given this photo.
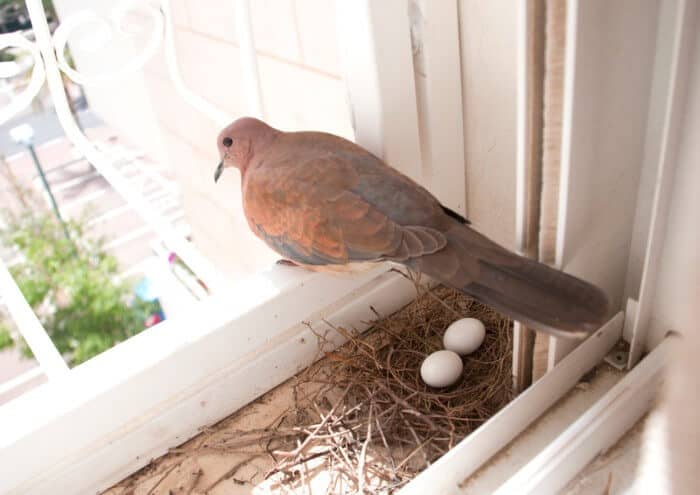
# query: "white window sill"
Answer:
x=155 y=390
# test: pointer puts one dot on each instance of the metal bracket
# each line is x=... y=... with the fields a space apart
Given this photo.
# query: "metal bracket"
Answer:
x=618 y=355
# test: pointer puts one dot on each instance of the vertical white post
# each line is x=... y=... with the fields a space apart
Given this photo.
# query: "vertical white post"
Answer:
x=377 y=61
x=528 y=164
x=559 y=348
x=685 y=25
x=530 y=72
x=604 y=121
x=438 y=79
x=249 y=59
x=30 y=327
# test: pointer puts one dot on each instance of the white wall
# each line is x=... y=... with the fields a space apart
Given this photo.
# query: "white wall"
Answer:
x=488 y=52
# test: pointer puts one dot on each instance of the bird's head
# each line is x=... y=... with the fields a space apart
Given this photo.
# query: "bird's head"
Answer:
x=239 y=141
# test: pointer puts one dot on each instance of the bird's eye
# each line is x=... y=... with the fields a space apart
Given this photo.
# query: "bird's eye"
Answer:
x=227 y=141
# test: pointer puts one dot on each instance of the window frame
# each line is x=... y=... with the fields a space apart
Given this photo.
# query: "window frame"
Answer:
x=97 y=423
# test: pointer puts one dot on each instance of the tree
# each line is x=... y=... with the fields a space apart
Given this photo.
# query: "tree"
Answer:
x=71 y=283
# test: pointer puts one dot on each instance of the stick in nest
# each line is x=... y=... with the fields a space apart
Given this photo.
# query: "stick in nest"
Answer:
x=388 y=411
x=363 y=414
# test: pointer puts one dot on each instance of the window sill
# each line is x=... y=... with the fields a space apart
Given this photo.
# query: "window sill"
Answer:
x=110 y=415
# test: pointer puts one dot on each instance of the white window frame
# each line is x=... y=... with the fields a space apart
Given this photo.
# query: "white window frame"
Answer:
x=607 y=420
x=91 y=426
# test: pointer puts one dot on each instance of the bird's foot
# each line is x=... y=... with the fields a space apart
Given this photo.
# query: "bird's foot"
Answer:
x=285 y=262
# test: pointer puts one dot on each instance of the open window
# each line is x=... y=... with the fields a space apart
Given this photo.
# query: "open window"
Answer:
x=455 y=95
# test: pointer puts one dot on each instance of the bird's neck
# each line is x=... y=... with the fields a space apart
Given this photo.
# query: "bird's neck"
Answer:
x=258 y=149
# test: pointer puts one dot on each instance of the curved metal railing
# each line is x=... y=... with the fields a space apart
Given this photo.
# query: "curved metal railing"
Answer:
x=48 y=52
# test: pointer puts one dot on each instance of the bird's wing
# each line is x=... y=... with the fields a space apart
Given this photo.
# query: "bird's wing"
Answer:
x=336 y=208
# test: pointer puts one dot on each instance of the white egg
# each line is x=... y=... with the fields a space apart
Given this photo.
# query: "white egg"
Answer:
x=464 y=336
x=441 y=369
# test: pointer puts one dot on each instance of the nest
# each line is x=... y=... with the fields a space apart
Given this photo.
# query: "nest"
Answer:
x=361 y=420
x=370 y=421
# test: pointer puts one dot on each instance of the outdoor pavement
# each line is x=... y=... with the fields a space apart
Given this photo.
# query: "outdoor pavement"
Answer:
x=81 y=192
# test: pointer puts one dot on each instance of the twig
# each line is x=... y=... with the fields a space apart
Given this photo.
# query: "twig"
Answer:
x=386 y=444
x=363 y=454
x=231 y=472
x=162 y=478
x=363 y=414
x=418 y=448
x=195 y=479
x=306 y=441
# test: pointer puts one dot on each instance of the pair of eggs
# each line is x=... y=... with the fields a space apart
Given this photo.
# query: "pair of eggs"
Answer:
x=462 y=337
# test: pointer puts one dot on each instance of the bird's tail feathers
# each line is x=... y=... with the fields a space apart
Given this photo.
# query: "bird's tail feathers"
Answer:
x=540 y=296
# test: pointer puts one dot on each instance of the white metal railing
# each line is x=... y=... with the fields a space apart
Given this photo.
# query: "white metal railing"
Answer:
x=48 y=52
x=24 y=99
x=31 y=328
x=118 y=19
x=216 y=115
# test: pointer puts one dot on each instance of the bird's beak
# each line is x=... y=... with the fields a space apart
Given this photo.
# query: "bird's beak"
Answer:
x=218 y=172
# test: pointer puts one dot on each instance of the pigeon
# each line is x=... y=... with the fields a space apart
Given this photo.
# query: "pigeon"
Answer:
x=327 y=204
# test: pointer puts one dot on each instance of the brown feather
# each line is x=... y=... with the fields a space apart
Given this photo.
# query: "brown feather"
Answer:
x=328 y=204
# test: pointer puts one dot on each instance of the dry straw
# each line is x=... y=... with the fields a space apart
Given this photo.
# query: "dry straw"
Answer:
x=363 y=414
x=362 y=420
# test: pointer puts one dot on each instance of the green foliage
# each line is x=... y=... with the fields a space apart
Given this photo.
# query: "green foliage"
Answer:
x=72 y=286
x=5 y=3
x=6 y=340
x=7 y=56
x=9 y=6
x=19 y=4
